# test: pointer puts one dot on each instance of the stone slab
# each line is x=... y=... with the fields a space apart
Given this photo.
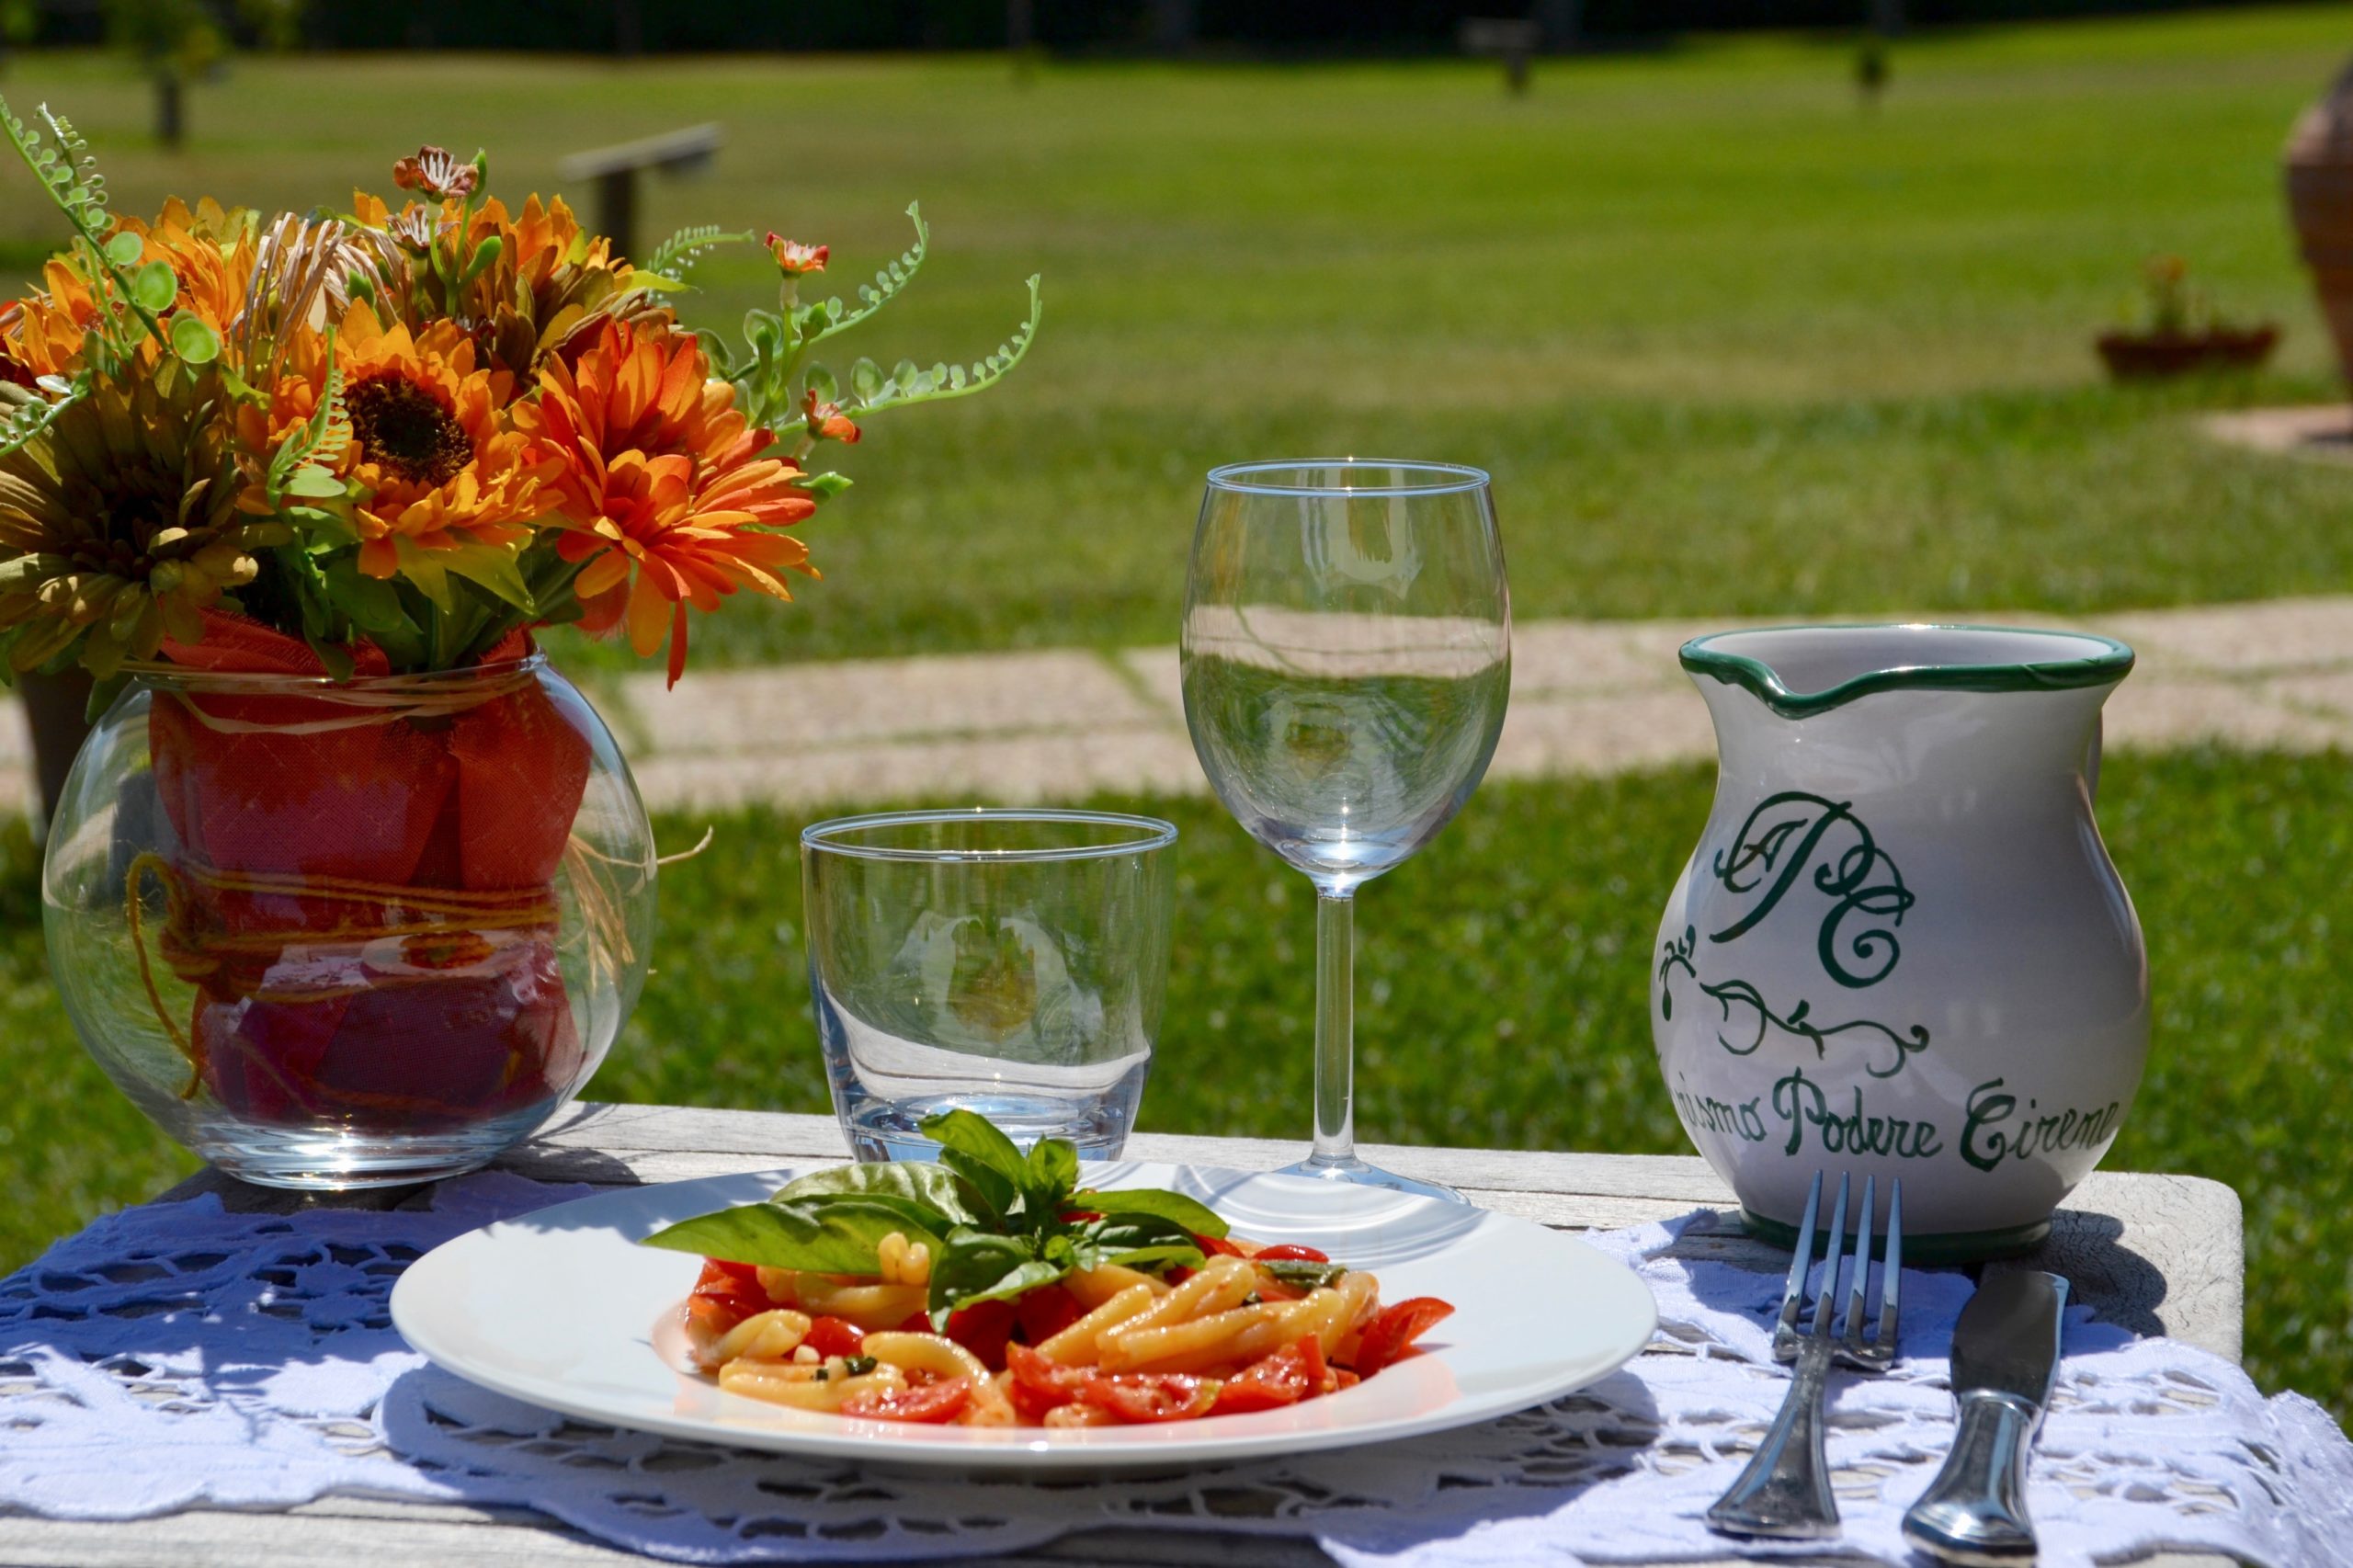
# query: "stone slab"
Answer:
x=793 y=709
x=1027 y=769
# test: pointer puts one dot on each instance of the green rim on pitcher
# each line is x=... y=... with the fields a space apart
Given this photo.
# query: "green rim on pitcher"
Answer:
x=2104 y=661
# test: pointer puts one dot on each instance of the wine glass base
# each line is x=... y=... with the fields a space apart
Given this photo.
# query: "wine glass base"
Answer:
x=1359 y=1174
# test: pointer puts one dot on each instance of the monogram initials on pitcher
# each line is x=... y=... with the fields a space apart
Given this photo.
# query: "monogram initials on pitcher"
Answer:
x=1788 y=833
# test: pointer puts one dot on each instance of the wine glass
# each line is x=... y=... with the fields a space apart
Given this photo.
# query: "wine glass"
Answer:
x=1346 y=650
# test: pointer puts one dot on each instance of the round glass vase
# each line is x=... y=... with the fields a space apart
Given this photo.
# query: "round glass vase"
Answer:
x=336 y=934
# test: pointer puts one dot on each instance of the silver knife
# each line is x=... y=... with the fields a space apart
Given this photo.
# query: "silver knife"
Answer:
x=2005 y=1358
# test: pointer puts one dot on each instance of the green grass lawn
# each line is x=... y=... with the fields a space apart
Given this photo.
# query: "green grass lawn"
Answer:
x=1731 y=342
x=1501 y=991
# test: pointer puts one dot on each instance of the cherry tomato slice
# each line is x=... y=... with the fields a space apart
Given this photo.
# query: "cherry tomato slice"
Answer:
x=1394 y=1328
x=719 y=1276
x=724 y=1296
x=982 y=1328
x=1150 y=1396
x=1290 y=1251
x=932 y=1403
x=1292 y=1373
x=1218 y=1246
x=1039 y=1385
x=835 y=1336
x=1046 y=1312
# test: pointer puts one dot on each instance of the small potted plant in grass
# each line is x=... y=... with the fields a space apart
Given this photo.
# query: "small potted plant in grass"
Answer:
x=2184 y=334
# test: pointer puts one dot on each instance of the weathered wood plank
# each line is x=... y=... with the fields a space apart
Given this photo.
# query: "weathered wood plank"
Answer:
x=2156 y=1253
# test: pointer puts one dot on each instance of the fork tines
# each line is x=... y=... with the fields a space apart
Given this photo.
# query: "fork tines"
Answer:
x=1868 y=1352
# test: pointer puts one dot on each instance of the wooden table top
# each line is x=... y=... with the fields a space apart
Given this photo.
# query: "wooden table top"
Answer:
x=2155 y=1254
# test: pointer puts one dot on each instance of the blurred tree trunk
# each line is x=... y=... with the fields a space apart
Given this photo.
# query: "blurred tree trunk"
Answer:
x=1172 y=26
x=171 y=108
x=55 y=707
x=1561 y=23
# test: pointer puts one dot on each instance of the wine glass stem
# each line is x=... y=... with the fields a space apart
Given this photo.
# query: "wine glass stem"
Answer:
x=1336 y=1126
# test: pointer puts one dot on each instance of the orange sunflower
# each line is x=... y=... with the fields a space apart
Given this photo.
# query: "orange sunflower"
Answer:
x=667 y=495
x=438 y=466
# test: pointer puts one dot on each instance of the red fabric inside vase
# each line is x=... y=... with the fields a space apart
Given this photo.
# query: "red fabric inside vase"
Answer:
x=362 y=890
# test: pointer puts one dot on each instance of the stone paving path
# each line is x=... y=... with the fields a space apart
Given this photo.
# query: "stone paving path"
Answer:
x=1587 y=698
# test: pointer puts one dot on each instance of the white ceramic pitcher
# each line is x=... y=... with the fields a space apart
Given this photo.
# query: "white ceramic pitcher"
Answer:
x=1900 y=948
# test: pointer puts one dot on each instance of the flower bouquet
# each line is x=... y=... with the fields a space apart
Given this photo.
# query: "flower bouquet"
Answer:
x=307 y=485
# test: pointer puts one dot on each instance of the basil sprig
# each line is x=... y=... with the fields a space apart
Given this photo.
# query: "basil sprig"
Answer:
x=998 y=1222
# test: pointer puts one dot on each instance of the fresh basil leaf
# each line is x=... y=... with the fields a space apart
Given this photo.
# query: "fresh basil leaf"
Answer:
x=995 y=1192
x=972 y=1134
x=984 y=1156
x=935 y=1187
x=1303 y=1275
x=1049 y=1176
x=1119 y=1231
x=1194 y=1216
x=1154 y=1258
x=916 y=1222
x=823 y=1235
x=974 y=1266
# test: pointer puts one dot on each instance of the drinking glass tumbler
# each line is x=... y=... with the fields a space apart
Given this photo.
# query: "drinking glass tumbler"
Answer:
x=1011 y=962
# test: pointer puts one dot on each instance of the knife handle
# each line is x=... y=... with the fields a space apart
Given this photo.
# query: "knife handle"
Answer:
x=1975 y=1512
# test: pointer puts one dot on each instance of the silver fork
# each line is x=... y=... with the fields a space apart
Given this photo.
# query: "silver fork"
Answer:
x=1785 y=1491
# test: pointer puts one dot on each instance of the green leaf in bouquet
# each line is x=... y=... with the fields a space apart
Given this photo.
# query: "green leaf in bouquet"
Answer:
x=335 y=656
x=866 y=379
x=936 y=1186
x=820 y=380
x=764 y=330
x=194 y=341
x=425 y=569
x=943 y=381
x=155 y=286
x=373 y=604
x=826 y=486
x=125 y=249
x=486 y=256
x=887 y=282
x=676 y=256
x=315 y=482
x=329 y=529
x=1176 y=1208
x=490 y=567
x=823 y=1235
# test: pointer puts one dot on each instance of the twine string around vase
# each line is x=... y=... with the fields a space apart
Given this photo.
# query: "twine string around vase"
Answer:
x=390 y=705
x=195 y=954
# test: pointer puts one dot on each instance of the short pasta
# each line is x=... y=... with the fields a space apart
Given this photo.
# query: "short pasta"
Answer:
x=1252 y=1327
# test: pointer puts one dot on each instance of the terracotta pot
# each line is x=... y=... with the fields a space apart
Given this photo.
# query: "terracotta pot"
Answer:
x=2136 y=356
x=2319 y=159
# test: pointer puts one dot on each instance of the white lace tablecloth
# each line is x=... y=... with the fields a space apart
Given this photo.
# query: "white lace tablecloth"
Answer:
x=178 y=1355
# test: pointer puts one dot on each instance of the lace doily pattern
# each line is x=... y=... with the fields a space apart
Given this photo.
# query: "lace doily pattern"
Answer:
x=178 y=1355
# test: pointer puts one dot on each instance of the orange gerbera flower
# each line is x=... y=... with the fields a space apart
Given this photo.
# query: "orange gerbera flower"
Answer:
x=795 y=259
x=212 y=250
x=550 y=279
x=667 y=494
x=438 y=466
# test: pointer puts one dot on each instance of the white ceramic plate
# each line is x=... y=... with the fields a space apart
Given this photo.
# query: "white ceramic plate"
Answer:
x=561 y=1307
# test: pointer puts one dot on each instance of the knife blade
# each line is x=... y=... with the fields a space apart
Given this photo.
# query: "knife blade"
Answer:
x=2005 y=1360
